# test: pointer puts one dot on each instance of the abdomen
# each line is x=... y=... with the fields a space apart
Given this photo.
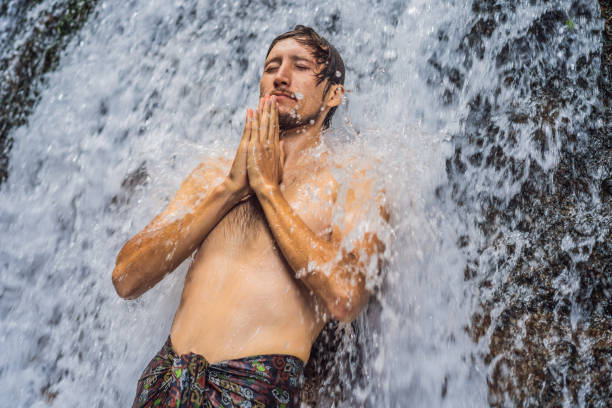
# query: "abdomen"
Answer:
x=240 y=299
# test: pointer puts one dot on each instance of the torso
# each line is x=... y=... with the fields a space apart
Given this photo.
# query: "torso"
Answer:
x=240 y=297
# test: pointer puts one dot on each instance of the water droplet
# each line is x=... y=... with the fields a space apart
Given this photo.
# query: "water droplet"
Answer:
x=338 y=74
x=311 y=121
x=298 y=96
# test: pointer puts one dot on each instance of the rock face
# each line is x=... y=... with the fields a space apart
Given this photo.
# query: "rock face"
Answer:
x=543 y=255
x=31 y=41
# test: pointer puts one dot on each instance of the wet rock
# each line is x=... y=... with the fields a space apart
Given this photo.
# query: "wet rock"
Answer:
x=606 y=187
x=130 y=183
x=31 y=47
x=549 y=340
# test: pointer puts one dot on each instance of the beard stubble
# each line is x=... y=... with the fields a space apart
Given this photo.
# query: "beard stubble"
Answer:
x=290 y=120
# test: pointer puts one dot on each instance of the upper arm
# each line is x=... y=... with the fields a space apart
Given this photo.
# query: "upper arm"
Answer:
x=360 y=236
x=364 y=219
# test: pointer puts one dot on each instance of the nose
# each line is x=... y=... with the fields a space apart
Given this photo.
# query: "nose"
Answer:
x=283 y=76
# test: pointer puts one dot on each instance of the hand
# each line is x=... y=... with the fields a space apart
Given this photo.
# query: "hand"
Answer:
x=237 y=178
x=265 y=158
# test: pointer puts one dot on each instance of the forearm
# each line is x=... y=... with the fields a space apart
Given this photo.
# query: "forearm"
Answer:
x=334 y=278
x=161 y=247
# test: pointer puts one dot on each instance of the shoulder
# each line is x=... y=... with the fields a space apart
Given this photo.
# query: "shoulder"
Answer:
x=360 y=186
x=208 y=173
x=356 y=169
x=211 y=170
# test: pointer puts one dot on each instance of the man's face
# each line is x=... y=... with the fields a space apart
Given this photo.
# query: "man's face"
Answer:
x=290 y=74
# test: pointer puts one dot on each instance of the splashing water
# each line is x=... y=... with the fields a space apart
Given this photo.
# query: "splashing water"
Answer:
x=484 y=117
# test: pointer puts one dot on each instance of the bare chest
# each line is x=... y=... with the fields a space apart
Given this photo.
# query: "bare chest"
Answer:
x=311 y=198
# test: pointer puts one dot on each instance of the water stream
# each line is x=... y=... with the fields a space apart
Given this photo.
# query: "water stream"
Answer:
x=491 y=134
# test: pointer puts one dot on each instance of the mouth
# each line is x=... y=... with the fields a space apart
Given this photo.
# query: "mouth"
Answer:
x=284 y=95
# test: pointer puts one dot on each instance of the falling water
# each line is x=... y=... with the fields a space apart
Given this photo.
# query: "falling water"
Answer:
x=491 y=138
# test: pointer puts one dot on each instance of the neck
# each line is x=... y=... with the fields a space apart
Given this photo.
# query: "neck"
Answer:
x=296 y=140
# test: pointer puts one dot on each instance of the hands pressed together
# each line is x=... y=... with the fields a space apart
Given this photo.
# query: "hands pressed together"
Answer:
x=259 y=161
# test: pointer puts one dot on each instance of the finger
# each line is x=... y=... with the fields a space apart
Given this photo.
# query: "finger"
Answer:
x=259 y=108
x=256 y=126
x=275 y=138
x=282 y=160
x=274 y=125
x=265 y=121
x=260 y=104
x=251 y=147
x=249 y=126
x=269 y=130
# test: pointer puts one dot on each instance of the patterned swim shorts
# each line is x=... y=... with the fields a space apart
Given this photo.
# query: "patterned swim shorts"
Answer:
x=189 y=381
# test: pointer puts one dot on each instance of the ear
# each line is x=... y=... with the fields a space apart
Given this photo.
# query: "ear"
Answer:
x=335 y=96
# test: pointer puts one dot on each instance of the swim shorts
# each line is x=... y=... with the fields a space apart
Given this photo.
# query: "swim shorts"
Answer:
x=189 y=381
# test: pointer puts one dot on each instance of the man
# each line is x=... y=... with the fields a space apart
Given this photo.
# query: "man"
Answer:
x=270 y=269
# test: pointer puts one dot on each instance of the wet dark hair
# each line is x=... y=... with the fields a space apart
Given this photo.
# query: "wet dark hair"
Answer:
x=324 y=53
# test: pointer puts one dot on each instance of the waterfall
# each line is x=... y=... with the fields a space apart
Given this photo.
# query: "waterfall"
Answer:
x=493 y=145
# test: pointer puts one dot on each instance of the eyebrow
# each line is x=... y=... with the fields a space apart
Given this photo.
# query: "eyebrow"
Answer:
x=295 y=58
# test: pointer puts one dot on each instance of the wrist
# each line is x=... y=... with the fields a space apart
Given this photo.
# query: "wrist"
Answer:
x=235 y=192
x=266 y=189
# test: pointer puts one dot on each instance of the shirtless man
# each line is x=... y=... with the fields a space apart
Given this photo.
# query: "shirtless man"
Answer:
x=269 y=270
